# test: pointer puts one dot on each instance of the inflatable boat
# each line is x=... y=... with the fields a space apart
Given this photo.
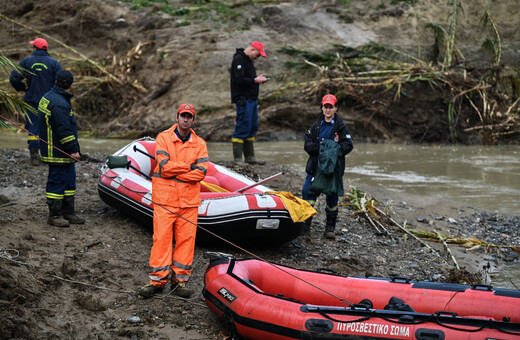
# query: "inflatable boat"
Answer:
x=260 y=300
x=233 y=207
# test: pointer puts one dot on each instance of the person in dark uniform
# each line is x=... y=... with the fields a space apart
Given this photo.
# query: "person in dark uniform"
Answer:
x=60 y=150
x=329 y=126
x=36 y=78
x=244 y=94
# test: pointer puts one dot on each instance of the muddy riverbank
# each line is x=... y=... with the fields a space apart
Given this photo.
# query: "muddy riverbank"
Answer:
x=82 y=282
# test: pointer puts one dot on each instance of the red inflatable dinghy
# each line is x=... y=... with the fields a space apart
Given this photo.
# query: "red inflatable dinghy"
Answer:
x=227 y=210
x=259 y=300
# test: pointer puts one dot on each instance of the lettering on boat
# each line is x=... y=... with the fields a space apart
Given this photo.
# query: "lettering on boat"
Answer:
x=373 y=328
x=226 y=294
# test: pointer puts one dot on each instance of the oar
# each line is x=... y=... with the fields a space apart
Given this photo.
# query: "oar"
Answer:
x=261 y=182
x=239 y=190
x=144 y=153
x=129 y=165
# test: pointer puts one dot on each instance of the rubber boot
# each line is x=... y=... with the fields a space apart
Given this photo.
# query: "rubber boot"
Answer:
x=238 y=148
x=249 y=153
x=330 y=226
x=68 y=211
x=151 y=289
x=180 y=289
x=55 y=213
x=307 y=226
x=35 y=157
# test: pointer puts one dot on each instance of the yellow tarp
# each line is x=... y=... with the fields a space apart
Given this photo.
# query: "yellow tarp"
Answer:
x=299 y=209
x=213 y=187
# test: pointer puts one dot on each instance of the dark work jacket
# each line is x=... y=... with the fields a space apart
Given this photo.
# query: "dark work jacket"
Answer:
x=339 y=134
x=328 y=177
x=243 y=74
x=44 y=69
x=57 y=127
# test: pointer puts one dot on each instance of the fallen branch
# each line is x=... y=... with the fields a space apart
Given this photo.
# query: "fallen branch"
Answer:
x=126 y=291
x=471 y=243
x=489 y=126
x=411 y=234
x=90 y=285
x=448 y=249
x=59 y=42
x=93 y=244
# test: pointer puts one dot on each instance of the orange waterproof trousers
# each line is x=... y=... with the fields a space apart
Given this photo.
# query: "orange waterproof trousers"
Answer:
x=171 y=223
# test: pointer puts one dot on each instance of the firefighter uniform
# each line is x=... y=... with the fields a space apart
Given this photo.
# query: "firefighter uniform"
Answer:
x=59 y=132
x=39 y=74
x=181 y=165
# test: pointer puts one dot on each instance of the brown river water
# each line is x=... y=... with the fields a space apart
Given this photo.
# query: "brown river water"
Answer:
x=485 y=177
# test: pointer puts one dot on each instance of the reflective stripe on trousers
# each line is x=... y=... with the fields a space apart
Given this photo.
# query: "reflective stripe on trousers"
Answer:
x=167 y=226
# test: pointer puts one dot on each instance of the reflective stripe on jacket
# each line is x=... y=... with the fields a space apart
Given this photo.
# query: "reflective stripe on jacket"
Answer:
x=174 y=183
x=40 y=71
x=58 y=127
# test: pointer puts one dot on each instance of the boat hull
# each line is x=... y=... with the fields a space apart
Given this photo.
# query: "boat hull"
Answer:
x=245 y=217
x=258 y=300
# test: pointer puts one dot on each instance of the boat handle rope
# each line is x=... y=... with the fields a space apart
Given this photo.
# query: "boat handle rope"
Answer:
x=325 y=315
x=432 y=318
x=345 y=302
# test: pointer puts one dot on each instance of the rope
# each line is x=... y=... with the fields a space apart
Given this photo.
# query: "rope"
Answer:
x=345 y=302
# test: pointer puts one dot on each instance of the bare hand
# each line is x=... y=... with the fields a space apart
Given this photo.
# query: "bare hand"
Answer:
x=261 y=79
x=75 y=155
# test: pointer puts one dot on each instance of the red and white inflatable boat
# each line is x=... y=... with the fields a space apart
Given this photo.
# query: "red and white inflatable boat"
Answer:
x=247 y=215
x=260 y=300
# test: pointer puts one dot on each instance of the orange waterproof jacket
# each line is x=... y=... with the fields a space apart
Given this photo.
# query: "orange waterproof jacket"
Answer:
x=174 y=183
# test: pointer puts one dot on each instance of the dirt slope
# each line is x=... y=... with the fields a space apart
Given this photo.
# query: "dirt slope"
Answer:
x=165 y=60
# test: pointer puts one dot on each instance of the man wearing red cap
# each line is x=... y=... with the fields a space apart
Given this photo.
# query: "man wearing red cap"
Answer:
x=328 y=138
x=244 y=94
x=182 y=162
x=40 y=75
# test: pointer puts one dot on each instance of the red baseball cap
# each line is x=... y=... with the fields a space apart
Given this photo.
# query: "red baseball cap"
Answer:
x=39 y=43
x=260 y=47
x=329 y=99
x=186 y=108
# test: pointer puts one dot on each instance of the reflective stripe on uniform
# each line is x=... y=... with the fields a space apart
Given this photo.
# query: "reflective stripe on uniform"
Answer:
x=335 y=208
x=67 y=139
x=53 y=196
x=57 y=160
x=181 y=266
x=180 y=277
x=202 y=160
x=70 y=192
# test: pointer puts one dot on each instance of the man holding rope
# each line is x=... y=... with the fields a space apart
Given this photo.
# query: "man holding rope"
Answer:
x=182 y=163
x=60 y=150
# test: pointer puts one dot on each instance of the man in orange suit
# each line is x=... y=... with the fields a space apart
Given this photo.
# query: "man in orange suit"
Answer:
x=182 y=162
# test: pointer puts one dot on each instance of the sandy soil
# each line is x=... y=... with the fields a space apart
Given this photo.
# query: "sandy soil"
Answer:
x=82 y=282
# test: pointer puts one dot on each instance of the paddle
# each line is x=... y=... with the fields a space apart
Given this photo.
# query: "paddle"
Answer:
x=239 y=190
x=144 y=153
x=261 y=182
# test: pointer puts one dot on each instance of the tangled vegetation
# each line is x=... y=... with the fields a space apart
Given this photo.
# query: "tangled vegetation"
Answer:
x=361 y=203
x=482 y=100
x=465 y=102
